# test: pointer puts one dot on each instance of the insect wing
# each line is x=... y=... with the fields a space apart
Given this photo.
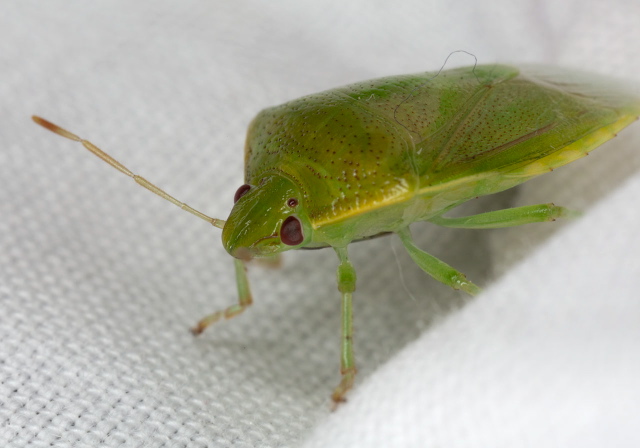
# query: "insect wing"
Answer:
x=525 y=125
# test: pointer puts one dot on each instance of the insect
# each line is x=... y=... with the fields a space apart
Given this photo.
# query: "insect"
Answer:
x=373 y=157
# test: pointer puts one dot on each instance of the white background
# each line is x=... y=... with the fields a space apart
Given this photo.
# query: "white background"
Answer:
x=100 y=280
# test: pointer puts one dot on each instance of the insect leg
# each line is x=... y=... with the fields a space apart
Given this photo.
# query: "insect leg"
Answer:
x=508 y=217
x=437 y=269
x=244 y=300
x=346 y=285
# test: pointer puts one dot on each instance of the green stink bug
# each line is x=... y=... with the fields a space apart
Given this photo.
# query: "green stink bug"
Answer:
x=373 y=157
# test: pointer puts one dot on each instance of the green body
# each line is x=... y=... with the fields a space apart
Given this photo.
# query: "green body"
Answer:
x=375 y=156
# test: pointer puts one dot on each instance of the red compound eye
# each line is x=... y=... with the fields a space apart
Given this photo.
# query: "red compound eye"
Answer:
x=291 y=231
x=244 y=189
x=292 y=202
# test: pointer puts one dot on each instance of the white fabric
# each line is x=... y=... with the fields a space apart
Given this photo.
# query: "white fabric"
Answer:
x=100 y=280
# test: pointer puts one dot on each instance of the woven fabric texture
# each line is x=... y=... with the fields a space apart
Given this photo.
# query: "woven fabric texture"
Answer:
x=100 y=280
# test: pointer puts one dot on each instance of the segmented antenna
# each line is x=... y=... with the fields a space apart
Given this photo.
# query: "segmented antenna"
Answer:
x=120 y=167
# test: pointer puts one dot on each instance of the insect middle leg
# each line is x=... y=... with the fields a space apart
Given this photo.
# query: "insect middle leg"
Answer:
x=244 y=300
x=436 y=268
x=346 y=285
x=508 y=217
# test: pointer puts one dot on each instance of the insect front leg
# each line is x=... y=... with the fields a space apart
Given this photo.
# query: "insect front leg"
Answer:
x=346 y=285
x=436 y=268
x=508 y=217
x=244 y=300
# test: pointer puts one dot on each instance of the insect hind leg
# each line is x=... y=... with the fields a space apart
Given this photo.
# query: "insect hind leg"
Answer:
x=508 y=217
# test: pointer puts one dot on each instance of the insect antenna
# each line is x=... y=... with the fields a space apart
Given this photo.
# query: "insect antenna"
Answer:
x=120 y=167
